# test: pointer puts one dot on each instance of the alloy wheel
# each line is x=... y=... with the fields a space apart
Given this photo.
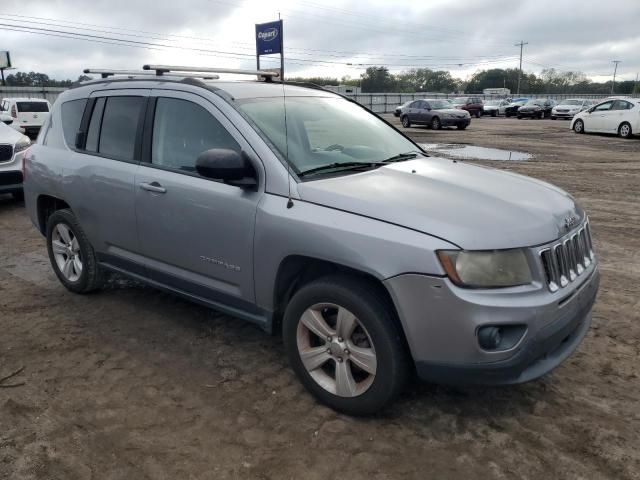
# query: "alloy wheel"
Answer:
x=336 y=350
x=66 y=251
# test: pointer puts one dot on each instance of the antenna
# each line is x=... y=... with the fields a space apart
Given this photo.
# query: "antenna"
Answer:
x=286 y=147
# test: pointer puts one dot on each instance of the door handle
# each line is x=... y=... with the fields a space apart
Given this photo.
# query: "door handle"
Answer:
x=153 y=187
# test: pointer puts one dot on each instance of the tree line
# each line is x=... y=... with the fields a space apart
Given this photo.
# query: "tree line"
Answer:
x=550 y=80
x=380 y=80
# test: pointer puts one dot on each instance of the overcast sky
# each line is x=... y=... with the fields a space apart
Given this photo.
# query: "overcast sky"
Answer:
x=323 y=37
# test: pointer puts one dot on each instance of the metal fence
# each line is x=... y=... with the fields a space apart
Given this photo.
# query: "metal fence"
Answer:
x=48 y=93
x=376 y=102
x=387 y=102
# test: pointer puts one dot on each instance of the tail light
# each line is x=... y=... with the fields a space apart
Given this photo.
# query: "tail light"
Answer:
x=14 y=113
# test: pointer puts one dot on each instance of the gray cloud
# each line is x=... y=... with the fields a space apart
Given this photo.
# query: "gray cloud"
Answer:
x=321 y=38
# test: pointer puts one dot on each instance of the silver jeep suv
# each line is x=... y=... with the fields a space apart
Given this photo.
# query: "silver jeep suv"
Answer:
x=299 y=210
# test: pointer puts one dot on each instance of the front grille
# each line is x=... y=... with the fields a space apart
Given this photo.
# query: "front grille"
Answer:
x=10 y=178
x=566 y=260
x=562 y=110
x=6 y=153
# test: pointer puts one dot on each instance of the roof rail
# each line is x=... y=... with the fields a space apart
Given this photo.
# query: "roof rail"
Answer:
x=105 y=73
x=164 y=69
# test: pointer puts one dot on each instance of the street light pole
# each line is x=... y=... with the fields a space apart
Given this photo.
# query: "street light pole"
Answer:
x=615 y=69
x=521 y=45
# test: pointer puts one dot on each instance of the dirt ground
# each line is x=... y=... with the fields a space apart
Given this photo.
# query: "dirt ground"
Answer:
x=131 y=383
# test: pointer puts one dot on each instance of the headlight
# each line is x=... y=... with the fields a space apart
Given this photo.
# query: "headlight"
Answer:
x=22 y=144
x=448 y=115
x=486 y=269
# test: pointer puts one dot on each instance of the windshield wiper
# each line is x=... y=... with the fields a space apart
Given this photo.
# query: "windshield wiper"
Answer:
x=341 y=166
x=401 y=157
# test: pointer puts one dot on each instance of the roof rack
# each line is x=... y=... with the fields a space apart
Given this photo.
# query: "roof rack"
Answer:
x=168 y=69
x=105 y=73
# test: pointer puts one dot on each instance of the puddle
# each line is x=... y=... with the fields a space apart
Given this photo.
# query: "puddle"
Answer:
x=469 y=152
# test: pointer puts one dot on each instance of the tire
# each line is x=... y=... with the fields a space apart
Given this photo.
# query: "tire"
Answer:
x=19 y=195
x=478 y=114
x=494 y=113
x=461 y=127
x=553 y=118
x=541 y=115
x=519 y=117
x=406 y=123
x=435 y=123
x=377 y=333
x=507 y=114
x=624 y=130
x=578 y=126
x=83 y=277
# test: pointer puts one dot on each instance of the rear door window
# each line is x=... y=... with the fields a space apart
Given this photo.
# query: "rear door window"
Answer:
x=621 y=105
x=36 y=107
x=71 y=117
x=93 y=135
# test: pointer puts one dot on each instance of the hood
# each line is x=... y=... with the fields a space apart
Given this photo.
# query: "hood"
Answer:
x=531 y=107
x=471 y=206
x=9 y=135
x=568 y=107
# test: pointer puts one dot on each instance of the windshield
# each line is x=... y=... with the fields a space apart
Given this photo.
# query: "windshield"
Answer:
x=439 y=104
x=460 y=100
x=33 y=106
x=571 y=102
x=324 y=131
x=536 y=102
x=492 y=103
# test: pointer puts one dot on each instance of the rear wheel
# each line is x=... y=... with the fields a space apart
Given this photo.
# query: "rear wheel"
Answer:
x=343 y=342
x=625 y=130
x=72 y=257
x=578 y=126
x=435 y=123
x=406 y=123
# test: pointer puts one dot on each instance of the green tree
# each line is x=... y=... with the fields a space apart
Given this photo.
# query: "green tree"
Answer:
x=378 y=80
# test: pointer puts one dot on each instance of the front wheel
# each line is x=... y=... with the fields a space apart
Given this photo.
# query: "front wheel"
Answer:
x=625 y=130
x=406 y=123
x=435 y=123
x=72 y=257
x=578 y=126
x=478 y=114
x=519 y=117
x=494 y=113
x=344 y=344
x=461 y=127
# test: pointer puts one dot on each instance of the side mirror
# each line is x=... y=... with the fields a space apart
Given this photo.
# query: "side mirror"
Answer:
x=233 y=168
x=6 y=119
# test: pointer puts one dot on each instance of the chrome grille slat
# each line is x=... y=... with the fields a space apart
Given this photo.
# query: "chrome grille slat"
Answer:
x=568 y=258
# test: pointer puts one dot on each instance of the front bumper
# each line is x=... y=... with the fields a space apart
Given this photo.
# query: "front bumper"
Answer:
x=530 y=113
x=10 y=181
x=451 y=122
x=441 y=322
x=564 y=114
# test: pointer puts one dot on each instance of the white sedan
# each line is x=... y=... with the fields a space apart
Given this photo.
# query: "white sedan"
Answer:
x=13 y=146
x=619 y=116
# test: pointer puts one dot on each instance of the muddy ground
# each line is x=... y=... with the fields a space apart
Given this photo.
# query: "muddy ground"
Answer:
x=131 y=383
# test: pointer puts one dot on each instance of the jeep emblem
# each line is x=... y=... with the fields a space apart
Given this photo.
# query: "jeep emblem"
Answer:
x=569 y=221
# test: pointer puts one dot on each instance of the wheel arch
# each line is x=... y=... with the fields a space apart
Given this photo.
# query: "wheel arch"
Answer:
x=46 y=205
x=296 y=271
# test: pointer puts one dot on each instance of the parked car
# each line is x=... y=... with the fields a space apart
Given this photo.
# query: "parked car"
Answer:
x=495 y=107
x=399 y=108
x=511 y=110
x=473 y=105
x=333 y=229
x=28 y=114
x=619 y=116
x=570 y=107
x=13 y=146
x=434 y=113
x=536 y=108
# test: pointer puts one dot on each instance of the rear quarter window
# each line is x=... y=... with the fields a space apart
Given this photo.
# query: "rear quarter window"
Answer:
x=71 y=117
x=35 y=107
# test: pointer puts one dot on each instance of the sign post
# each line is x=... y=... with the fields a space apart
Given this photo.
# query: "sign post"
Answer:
x=269 y=41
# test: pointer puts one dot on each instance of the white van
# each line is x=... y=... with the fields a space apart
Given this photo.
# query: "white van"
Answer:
x=28 y=114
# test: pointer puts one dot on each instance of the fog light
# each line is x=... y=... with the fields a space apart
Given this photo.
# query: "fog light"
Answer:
x=489 y=338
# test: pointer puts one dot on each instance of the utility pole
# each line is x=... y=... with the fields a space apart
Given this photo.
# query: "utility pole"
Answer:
x=635 y=85
x=615 y=69
x=521 y=44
